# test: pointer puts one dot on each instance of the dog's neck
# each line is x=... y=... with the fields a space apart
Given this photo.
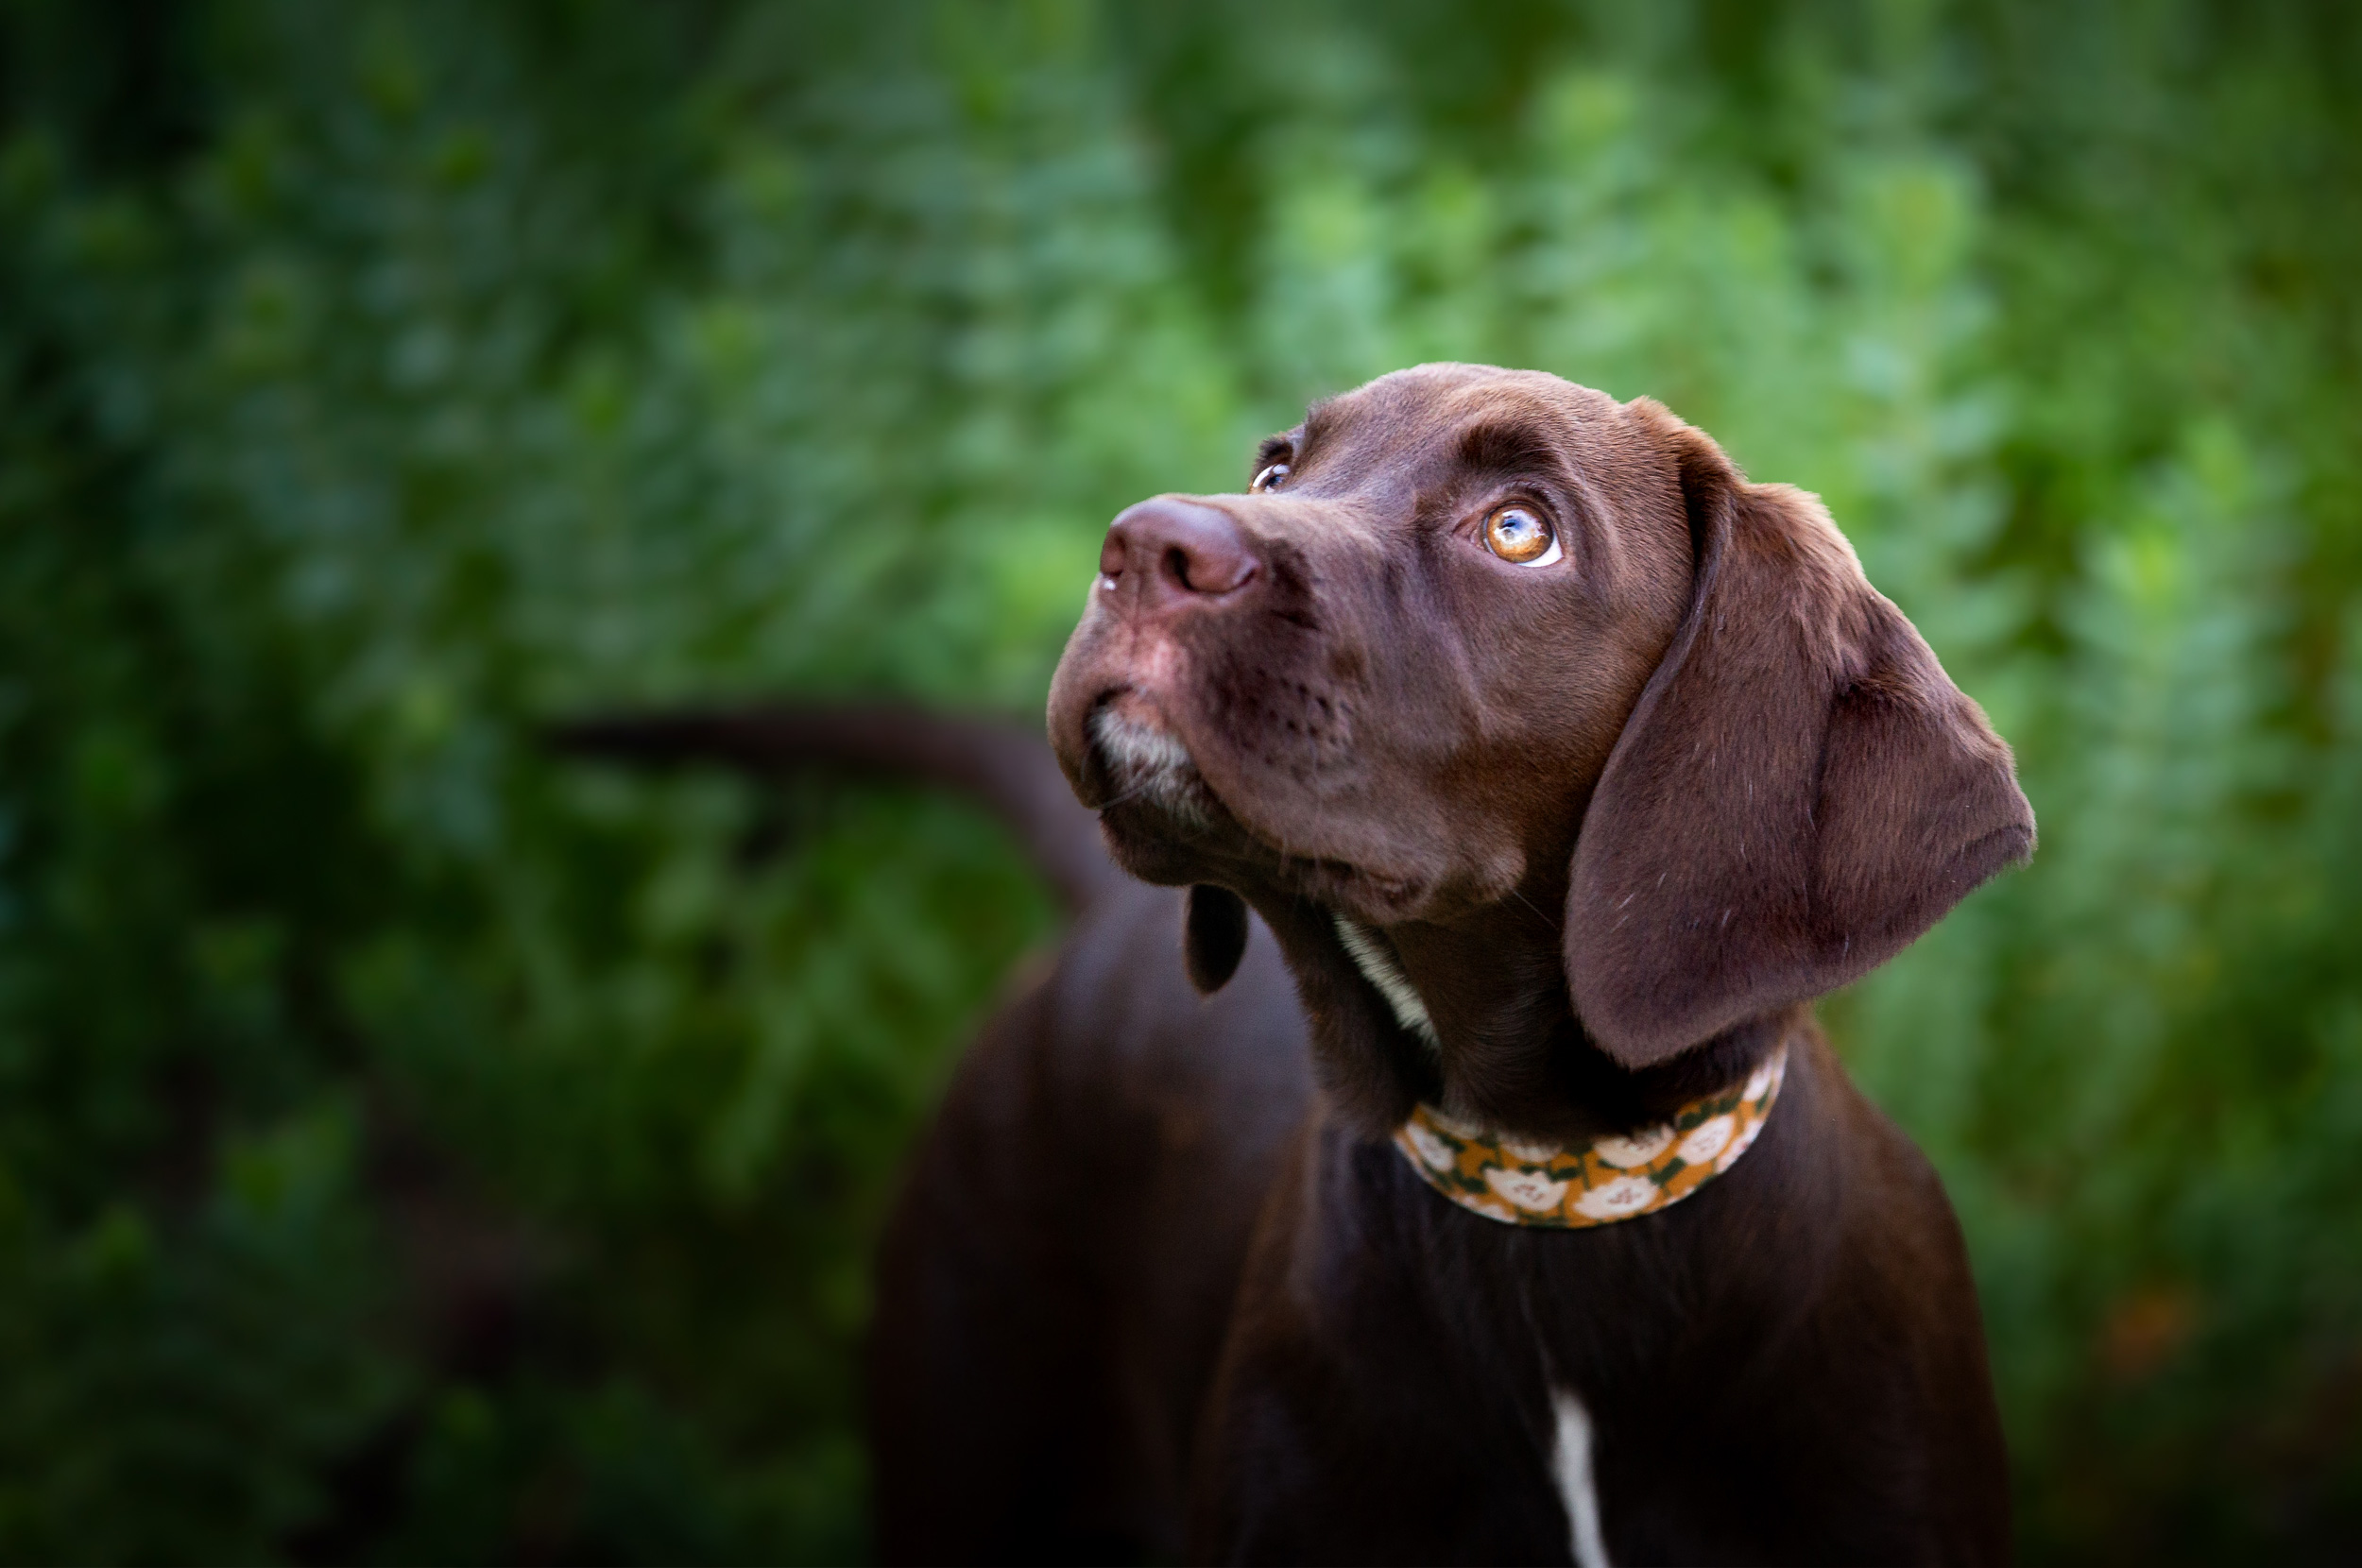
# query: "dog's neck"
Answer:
x=1474 y=1018
x=1373 y=955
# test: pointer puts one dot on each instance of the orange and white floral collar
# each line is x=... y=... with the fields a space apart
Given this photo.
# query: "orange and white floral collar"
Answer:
x=1520 y=1183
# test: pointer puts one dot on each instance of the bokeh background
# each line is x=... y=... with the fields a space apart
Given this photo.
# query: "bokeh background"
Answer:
x=415 y=1147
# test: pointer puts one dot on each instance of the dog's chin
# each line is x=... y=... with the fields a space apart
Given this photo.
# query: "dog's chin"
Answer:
x=1151 y=843
x=1157 y=846
x=1155 y=811
x=1207 y=843
x=1138 y=764
x=1164 y=823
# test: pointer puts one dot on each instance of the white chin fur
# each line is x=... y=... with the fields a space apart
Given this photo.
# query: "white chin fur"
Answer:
x=1150 y=765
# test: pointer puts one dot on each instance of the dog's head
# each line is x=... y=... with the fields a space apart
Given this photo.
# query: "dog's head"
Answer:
x=1476 y=639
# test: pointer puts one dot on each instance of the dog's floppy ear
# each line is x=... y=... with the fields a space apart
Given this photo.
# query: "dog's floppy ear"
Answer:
x=1800 y=792
x=1213 y=937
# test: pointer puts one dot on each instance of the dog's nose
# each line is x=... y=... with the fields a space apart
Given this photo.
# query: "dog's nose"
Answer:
x=1169 y=551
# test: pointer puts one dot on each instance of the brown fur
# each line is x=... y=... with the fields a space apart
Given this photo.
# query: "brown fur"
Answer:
x=1798 y=794
x=1158 y=1284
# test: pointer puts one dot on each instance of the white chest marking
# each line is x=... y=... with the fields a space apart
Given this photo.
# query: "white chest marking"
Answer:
x=1571 y=1464
x=1378 y=967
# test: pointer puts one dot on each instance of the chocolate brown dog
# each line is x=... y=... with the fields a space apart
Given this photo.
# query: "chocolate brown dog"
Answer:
x=1561 y=768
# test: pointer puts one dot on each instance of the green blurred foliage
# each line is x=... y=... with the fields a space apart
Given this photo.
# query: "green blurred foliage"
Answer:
x=415 y=1148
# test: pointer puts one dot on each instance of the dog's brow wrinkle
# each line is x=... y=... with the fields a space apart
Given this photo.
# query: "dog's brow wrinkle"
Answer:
x=1509 y=443
x=1319 y=420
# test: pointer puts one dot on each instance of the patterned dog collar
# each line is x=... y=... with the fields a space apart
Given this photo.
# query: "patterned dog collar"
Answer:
x=1597 y=1183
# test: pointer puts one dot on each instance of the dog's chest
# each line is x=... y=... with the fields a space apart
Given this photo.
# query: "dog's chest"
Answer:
x=1570 y=1469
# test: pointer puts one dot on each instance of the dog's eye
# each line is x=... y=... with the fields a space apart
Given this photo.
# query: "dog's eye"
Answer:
x=1519 y=534
x=1271 y=478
